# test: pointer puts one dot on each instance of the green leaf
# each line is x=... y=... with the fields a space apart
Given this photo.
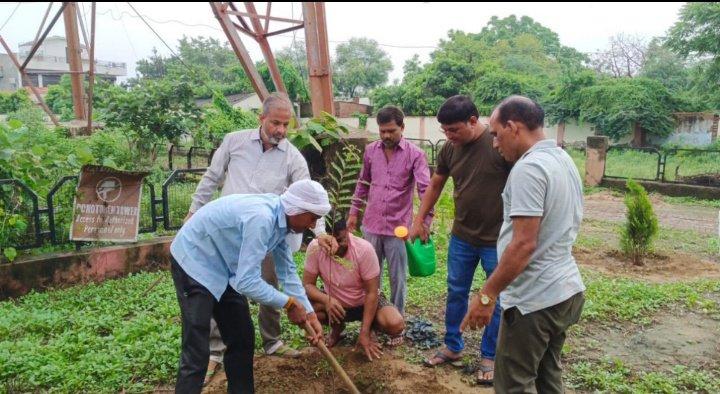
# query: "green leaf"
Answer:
x=10 y=253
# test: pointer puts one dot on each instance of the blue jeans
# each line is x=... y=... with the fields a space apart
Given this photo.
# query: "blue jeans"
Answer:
x=462 y=261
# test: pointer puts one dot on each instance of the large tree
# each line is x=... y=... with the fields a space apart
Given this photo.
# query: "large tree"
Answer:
x=624 y=57
x=696 y=36
x=360 y=65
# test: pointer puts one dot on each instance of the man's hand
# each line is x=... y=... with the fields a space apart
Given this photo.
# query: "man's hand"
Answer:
x=478 y=315
x=369 y=345
x=418 y=230
x=189 y=215
x=297 y=314
x=316 y=336
x=351 y=223
x=328 y=243
x=335 y=311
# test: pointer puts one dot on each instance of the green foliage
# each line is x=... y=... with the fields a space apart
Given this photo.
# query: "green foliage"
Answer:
x=154 y=112
x=38 y=156
x=613 y=376
x=695 y=36
x=59 y=97
x=318 y=133
x=359 y=66
x=362 y=119
x=564 y=101
x=696 y=33
x=492 y=88
x=615 y=105
x=15 y=101
x=221 y=118
x=509 y=56
x=295 y=84
x=641 y=227
x=340 y=181
x=32 y=117
x=211 y=65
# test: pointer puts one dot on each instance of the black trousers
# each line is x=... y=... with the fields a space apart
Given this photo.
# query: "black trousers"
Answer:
x=232 y=314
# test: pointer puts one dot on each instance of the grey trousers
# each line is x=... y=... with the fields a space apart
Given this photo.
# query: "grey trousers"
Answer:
x=392 y=249
x=268 y=318
x=528 y=348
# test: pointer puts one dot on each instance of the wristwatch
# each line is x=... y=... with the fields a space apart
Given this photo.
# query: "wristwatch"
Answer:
x=290 y=304
x=486 y=299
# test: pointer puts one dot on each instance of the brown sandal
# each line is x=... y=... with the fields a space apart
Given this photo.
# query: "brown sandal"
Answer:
x=444 y=358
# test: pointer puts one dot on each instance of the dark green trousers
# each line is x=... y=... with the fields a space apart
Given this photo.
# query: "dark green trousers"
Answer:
x=528 y=351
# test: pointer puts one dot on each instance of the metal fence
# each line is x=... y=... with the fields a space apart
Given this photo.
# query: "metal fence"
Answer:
x=188 y=158
x=676 y=165
x=431 y=149
x=28 y=221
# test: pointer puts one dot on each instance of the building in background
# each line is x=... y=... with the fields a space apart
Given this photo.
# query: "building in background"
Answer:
x=50 y=62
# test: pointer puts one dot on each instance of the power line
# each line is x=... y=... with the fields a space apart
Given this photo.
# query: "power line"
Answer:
x=124 y=13
x=10 y=17
x=190 y=69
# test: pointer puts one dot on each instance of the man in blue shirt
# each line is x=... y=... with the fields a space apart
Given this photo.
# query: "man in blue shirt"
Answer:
x=216 y=266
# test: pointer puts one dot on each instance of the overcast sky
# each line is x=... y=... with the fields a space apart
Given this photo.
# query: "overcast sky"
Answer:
x=402 y=29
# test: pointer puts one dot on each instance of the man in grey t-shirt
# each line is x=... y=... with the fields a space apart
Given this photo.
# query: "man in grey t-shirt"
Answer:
x=540 y=284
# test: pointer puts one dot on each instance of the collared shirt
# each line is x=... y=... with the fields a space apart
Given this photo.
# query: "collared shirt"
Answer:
x=246 y=168
x=387 y=185
x=225 y=242
x=344 y=283
x=544 y=183
x=251 y=170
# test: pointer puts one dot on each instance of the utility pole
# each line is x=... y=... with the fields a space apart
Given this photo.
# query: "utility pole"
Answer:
x=75 y=60
x=318 y=55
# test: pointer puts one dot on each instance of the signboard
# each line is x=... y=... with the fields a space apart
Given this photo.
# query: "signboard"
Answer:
x=107 y=205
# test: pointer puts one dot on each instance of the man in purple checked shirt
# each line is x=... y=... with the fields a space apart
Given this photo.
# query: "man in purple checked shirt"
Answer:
x=391 y=168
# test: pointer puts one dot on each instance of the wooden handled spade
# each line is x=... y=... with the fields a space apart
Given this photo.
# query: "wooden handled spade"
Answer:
x=331 y=359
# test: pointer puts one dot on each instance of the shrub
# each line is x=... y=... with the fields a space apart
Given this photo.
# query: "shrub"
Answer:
x=642 y=225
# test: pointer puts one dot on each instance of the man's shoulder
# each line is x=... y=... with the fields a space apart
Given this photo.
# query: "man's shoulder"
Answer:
x=238 y=135
x=362 y=245
x=373 y=145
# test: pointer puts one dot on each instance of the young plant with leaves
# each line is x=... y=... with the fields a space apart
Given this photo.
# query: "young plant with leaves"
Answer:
x=641 y=228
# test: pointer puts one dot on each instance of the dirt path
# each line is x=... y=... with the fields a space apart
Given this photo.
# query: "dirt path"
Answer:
x=605 y=206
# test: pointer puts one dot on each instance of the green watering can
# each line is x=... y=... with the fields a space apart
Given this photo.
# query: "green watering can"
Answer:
x=421 y=256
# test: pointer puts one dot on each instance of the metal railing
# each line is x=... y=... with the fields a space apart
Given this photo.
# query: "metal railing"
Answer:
x=24 y=224
x=651 y=164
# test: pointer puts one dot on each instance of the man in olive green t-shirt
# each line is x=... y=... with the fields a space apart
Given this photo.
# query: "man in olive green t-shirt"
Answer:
x=479 y=174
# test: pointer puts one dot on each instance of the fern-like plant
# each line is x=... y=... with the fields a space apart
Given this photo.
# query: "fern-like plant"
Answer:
x=340 y=181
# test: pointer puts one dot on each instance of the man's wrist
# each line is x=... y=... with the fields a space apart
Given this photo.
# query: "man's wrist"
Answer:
x=290 y=304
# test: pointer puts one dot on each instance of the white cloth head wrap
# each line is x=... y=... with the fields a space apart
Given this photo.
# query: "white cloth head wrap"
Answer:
x=305 y=196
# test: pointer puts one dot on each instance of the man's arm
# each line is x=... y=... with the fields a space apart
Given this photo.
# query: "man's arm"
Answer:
x=432 y=194
x=370 y=287
x=527 y=188
x=371 y=348
x=310 y=283
x=512 y=263
x=214 y=175
x=421 y=173
x=516 y=256
x=362 y=189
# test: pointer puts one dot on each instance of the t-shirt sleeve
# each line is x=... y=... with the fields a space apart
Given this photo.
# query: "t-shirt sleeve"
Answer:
x=443 y=160
x=528 y=183
x=369 y=266
x=312 y=255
